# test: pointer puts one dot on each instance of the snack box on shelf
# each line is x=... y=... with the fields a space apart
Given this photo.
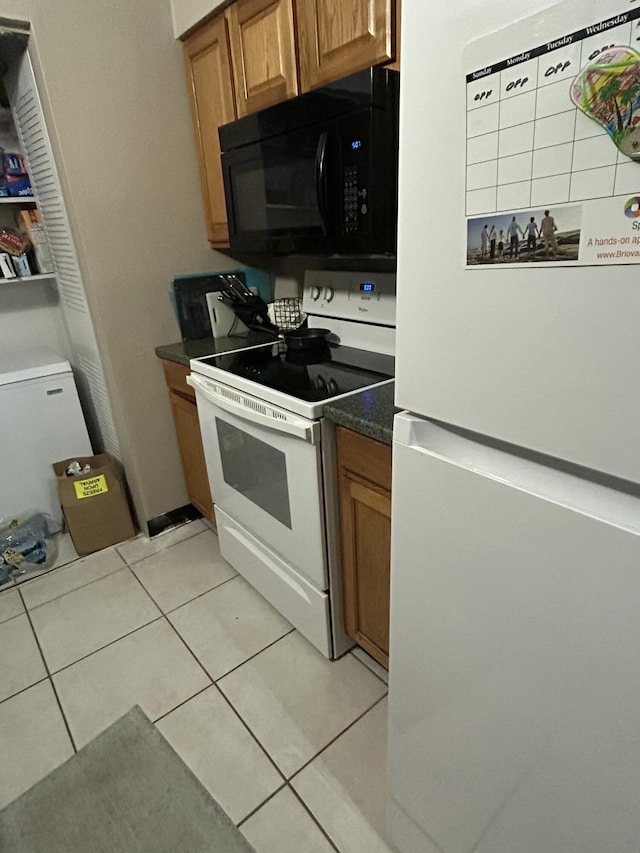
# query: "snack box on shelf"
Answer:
x=13 y=164
x=16 y=186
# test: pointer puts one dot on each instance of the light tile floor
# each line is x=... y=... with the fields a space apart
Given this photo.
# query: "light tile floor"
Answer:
x=291 y=745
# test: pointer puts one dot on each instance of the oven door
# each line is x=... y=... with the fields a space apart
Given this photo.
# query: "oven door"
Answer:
x=264 y=470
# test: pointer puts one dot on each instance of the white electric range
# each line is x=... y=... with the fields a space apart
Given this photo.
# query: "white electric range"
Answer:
x=270 y=454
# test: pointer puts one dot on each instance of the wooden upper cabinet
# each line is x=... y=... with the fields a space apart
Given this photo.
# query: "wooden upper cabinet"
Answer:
x=210 y=83
x=263 y=53
x=339 y=37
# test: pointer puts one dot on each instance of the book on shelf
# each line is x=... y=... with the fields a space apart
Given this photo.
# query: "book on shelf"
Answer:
x=21 y=266
x=6 y=267
x=30 y=223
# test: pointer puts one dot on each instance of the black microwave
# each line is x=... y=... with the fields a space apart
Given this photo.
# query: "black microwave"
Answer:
x=317 y=174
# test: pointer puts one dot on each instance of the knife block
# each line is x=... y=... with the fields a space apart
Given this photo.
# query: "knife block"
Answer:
x=222 y=318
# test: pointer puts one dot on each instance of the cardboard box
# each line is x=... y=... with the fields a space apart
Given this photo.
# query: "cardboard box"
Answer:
x=94 y=505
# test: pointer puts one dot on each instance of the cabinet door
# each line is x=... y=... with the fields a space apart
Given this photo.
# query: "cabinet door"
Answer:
x=338 y=37
x=395 y=65
x=185 y=416
x=210 y=83
x=364 y=470
x=262 y=52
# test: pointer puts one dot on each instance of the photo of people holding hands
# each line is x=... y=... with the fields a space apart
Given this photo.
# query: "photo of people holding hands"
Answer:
x=532 y=236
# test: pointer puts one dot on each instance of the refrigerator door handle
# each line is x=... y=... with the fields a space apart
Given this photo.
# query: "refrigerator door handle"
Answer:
x=553 y=484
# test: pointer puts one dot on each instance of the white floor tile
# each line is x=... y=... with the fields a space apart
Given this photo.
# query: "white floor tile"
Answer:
x=283 y=826
x=180 y=573
x=212 y=741
x=228 y=625
x=66 y=551
x=20 y=660
x=345 y=787
x=33 y=740
x=150 y=668
x=370 y=663
x=90 y=617
x=141 y=547
x=10 y=604
x=296 y=701
x=67 y=578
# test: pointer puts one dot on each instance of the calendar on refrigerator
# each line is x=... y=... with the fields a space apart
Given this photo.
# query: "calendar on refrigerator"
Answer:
x=553 y=142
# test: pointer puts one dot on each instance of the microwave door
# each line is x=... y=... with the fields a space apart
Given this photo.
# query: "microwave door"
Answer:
x=277 y=192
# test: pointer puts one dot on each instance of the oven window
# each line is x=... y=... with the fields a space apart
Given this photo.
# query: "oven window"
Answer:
x=255 y=469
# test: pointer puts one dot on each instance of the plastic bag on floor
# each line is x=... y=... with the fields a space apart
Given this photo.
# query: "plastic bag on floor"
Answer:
x=27 y=543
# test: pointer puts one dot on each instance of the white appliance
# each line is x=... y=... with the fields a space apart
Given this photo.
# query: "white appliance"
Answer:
x=41 y=422
x=270 y=454
x=515 y=576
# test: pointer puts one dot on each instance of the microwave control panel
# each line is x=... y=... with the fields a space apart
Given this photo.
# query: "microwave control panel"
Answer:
x=366 y=297
x=355 y=180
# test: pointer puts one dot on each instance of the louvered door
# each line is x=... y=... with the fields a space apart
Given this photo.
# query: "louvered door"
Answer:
x=29 y=121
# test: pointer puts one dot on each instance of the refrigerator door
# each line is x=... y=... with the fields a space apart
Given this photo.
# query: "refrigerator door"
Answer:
x=515 y=683
x=542 y=357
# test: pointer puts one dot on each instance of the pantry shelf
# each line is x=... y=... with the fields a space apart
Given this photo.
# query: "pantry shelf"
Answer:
x=39 y=277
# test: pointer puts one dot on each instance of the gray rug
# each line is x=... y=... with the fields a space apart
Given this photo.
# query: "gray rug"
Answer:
x=125 y=792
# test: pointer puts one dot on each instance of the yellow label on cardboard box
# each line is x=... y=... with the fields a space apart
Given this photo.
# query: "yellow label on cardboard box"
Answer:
x=92 y=486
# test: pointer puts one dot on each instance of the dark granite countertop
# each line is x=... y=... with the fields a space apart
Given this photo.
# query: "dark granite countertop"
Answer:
x=369 y=412
x=183 y=351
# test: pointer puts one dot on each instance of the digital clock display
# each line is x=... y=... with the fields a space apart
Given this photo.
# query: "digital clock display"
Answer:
x=367 y=287
x=356 y=143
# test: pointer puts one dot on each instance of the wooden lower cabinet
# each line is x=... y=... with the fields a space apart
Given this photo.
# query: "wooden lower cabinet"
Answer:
x=185 y=418
x=364 y=484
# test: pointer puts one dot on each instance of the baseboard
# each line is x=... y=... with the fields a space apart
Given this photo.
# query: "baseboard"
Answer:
x=172 y=518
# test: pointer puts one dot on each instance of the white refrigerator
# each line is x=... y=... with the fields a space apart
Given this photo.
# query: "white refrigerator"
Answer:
x=514 y=715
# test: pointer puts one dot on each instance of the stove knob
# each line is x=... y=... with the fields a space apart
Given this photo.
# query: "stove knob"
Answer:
x=328 y=294
x=315 y=293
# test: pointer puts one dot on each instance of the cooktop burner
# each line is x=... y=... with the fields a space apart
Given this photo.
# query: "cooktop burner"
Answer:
x=312 y=375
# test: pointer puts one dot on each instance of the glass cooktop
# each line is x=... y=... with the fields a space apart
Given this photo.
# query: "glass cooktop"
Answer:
x=312 y=375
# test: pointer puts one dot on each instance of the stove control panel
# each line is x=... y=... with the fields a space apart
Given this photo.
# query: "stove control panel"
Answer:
x=363 y=296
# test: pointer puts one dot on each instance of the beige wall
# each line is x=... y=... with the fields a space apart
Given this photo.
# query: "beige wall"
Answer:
x=112 y=84
x=187 y=13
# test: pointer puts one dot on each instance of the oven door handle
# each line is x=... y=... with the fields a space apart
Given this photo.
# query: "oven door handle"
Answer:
x=289 y=424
